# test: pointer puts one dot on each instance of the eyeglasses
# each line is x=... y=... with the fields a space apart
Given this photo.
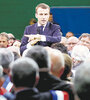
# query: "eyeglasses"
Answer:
x=86 y=42
x=72 y=43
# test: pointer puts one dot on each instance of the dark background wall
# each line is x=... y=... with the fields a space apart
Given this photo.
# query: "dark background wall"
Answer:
x=16 y=14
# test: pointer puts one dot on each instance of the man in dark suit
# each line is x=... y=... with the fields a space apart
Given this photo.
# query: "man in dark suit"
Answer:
x=24 y=75
x=41 y=33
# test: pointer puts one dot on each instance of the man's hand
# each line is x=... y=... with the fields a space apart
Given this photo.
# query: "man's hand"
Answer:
x=33 y=37
x=32 y=42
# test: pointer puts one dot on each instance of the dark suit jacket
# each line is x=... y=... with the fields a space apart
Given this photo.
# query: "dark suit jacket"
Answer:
x=49 y=82
x=32 y=94
x=51 y=31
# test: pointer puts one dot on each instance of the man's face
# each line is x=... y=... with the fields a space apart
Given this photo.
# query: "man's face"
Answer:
x=69 y=34
x=10 y=42
x=71 y=44
x=86 y=42
x=3 y=42
x=42 y=15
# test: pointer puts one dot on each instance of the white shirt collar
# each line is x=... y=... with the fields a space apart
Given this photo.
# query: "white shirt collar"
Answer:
x=41 y=25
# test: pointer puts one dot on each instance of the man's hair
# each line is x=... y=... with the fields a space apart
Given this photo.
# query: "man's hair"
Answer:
x=60 y=47
x=3 y=34
x=40 y=55
x=82 y=81
x=84 y=35
x=68 y=66
x=43 y=6
x=23 y=72
x=80 y=52
x=6 y=57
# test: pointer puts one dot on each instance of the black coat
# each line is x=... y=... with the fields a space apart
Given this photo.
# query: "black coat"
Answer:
x=32 y=94
x=49 y=82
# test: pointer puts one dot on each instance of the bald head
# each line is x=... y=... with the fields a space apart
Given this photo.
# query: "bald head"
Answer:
x=57 y=61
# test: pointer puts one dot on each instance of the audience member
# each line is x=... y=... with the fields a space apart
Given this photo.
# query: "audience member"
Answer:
x=82 y=81
x=47 y=81
x=69 y=34
x=6 y=57
x=57 y=67
x=60 y=47
x=43 y=32
x=79 y=55
x=71 y=42
x=17 y=43
x=24 y=75
x=63 y=40
x=68 y=67
x=85 y=40
x=11 y=39
x=3 y=40
x=16 y=51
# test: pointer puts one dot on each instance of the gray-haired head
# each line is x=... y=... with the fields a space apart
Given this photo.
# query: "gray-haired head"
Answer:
x=6 y=57
x=40 y=55
x=82 y=81
x=24 y=72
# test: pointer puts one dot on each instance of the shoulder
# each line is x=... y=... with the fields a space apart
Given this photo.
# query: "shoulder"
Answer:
x=53 y=26
x=31 y=26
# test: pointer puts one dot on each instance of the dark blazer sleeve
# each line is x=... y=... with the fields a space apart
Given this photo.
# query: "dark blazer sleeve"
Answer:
x=24 y=41
x=55 y=34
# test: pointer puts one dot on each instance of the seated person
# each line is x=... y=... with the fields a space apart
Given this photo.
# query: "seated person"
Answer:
x=82 y=81
x=69 y=34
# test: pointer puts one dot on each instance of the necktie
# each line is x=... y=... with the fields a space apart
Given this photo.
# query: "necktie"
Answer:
x=41 y=29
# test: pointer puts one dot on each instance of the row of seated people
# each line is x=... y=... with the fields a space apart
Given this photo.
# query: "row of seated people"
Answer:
x=51 y=69
x=25 y=75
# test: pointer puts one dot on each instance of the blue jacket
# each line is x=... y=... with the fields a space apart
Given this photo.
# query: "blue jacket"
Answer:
x=51 y=31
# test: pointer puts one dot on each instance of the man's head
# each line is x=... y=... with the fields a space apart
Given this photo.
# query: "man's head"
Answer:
x=24 y=72
x=82 y=81
x=85 y=40
x=3 y=40
x=60 y=46
x=79 y=54
x=69 y=34
x=40 y=55
x=42 y=13
x=6 y=57
x=71 y=42
x=57 y=61
x=68 y=67
x=11 y=39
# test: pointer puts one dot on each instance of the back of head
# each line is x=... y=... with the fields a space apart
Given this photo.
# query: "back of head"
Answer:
x=11 y=36
x=73 y=38
x=6 y=57
x=40 y=55
x=82 y=81
x=60 y=47
x=84 y=35
x=57 y=61
x=80 y=52
x=68 y=66
x=23 y=72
